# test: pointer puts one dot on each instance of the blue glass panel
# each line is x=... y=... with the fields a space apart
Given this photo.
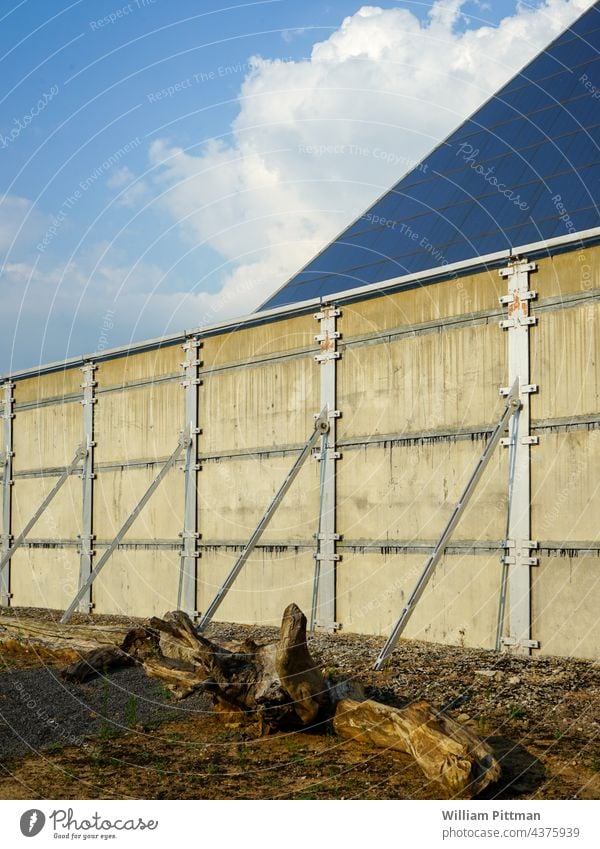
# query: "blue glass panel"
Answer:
x=539 y=141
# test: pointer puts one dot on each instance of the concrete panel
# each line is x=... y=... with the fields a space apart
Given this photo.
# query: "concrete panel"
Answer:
x=53 y=385
x=233 y=495
x=60 y=520
x=454 y=297
x=117 y=493
x=142 y=423
x=132 y=367
x=44 y=577
x=408 y=492
x=441 y=380
x=565 y=486
x=267 y=406
x=269 y=582
x=565 y=347
x=459 y=606
x=46 y=437
x=565 y=601
x=274 y=338
x=138 y=583
x=566 y=273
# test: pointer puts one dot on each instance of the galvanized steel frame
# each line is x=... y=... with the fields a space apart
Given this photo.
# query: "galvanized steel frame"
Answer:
x=186 y=593
x=518 y=558
x=86 y=537
x=323 y=614
x=7 y=483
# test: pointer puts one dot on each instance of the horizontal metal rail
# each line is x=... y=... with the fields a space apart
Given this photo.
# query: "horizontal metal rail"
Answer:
x=511 y=407
x=321 y=427
x=183 y=443
x=80 y=453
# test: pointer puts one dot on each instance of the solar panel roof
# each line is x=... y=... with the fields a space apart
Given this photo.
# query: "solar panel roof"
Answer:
x=524 y=168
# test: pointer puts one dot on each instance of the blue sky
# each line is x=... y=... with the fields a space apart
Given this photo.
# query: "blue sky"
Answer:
x=169 y=164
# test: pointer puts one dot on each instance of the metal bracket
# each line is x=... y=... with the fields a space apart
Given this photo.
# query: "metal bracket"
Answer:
x=529 y=644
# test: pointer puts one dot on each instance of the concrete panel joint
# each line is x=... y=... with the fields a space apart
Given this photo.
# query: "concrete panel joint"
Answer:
x=186 y=592
x=323 y=613
x=518 y=560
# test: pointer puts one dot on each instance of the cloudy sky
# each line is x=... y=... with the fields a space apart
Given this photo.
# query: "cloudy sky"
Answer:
x=169 y=164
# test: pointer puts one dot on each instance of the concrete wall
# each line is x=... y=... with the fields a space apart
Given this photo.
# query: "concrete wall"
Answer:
x=417 y=385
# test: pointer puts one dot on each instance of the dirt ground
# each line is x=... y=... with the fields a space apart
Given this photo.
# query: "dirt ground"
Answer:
x=123 y=737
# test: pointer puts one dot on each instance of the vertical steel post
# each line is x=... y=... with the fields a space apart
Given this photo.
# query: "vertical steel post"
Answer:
x=519 y=544
x=186 y=594
x=7 y=416
x=86 y=537
x=326 y=555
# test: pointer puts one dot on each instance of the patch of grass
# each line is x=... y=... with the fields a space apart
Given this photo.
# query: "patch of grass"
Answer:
x=516 y=712
x=131 y=712
x=55 y=747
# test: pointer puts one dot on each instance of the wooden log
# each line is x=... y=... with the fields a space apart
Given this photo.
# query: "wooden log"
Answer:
x=446 y=751
x=59 y=639
x=97 y=662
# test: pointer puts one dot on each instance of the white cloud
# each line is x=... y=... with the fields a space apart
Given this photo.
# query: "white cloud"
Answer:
x=317 y=140
x=20 y=224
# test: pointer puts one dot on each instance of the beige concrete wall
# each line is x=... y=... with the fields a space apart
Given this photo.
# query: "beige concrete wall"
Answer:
x=277 y=337
x=44 y=577
x=53 y=385
x=269 y=582
x=260 y=407
x=234 y=494
x=568 y=273
x=565 y=349
x=565 y=596
x=143 y=366
x=138 y=582
x=408 y=492
x=62 y=517
x=459 y=606
x=260 y=391
x=46 y=437
x=117 y=493
x=138 y=424
x=425 y=382
x=566 y=487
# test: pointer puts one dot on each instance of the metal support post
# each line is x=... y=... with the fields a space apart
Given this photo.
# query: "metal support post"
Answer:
x=186 y=593
x=182 y=443
x=324 y=595
x=79 y=454
x=86 y=552
x=7 y=464
x=512 y=404
x=518 y=558
x=322 y=425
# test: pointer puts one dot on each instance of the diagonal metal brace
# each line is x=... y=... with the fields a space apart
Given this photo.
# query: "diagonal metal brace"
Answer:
x=80 y=453
x=184 y=441
x=512 y=405
x=321 y=427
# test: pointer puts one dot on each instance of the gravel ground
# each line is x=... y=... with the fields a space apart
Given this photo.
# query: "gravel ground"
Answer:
x=39 y=710
x=538 y=698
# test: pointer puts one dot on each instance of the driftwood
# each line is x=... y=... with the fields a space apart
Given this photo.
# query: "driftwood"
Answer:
x=277 y=686
x=445 y=750
x=59 y=639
